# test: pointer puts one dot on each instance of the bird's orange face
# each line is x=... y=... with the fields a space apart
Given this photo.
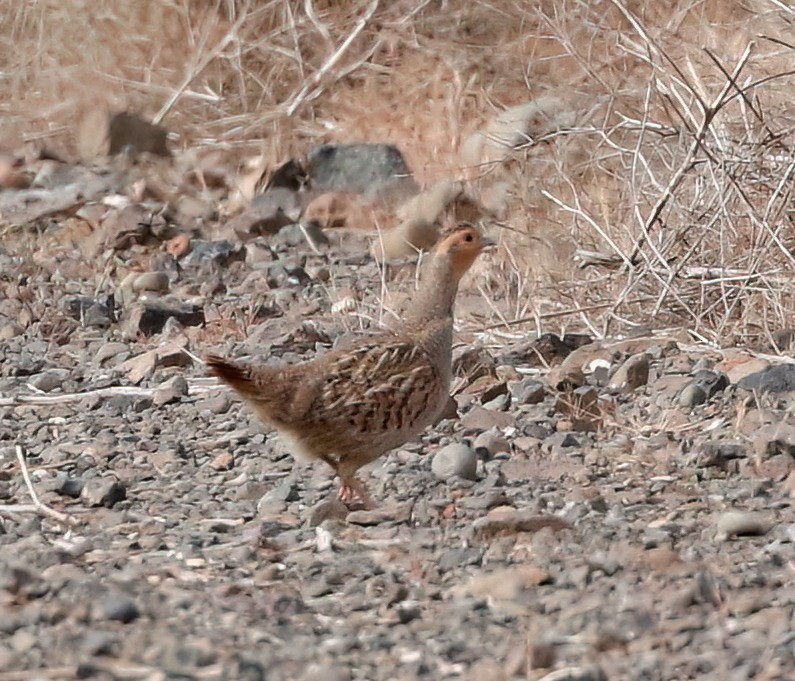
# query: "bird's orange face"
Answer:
x=463 y=246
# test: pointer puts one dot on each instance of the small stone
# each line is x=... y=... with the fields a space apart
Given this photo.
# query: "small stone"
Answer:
x=140 y=367
x=507 y=520
x=217 y=404
x=480 y=418
x=774 y=439
x=719 y=452
x=779 y=378
x=70 y=487
x=151 y=281
x=118 y=607
x=705 y=385
x=408 y=611
x=691 y=396
x=567 y=376
x=593 y=673
x=561 y=440
x=490 y=443
x=99 y=643
x=90 y=312
x=49 y=380
x=528 y=391
x=277 y=497
x=738 y=364
x=105 y=492
x=23 y=640
x=741 y=524
x=150 y=318
x=370 y=169
x=110 y=350
x=10 y=330
x=173 y=390
x=223 y=462
x=455 y=459
x=329 y=509
x=632 y=374
x=506 y=584
x=396 y=513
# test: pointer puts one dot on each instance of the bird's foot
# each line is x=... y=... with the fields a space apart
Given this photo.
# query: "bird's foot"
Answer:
x=352 y=491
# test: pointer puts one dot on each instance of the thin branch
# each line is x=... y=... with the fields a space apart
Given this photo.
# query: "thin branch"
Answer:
x=304 y=92
x=38 y=505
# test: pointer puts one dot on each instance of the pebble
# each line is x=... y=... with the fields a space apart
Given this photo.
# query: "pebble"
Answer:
x=779 y=378
x=118 y=607
x=704 y=386
x=223 y=462
x=455 y=459
x=49 y=380
x=105 y=491
x=528 y=391
x=632 y=374
x=173 y=390
x=594 y=673
x=490 y=443
x=776 y=438
x=328 y=509
x=741 y=523
x=110 y=350
x=151 y=281
x=10 y=330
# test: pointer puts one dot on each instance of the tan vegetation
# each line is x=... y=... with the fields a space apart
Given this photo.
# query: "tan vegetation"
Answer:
x=654 y=186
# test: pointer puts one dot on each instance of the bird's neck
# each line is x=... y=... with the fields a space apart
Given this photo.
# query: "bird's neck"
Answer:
x=435 y=298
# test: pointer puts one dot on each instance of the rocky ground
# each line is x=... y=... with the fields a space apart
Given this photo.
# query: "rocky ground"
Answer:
x=620 y=509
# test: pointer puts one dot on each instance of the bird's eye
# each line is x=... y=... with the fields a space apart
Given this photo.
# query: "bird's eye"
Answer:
x=468 y=237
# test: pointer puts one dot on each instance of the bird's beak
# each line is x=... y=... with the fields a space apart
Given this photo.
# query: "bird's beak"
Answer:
x=489 y=243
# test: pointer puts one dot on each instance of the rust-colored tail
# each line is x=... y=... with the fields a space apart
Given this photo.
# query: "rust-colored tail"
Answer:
x=233 y=374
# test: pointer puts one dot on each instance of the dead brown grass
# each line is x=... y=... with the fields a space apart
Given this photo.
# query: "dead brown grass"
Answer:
x=665 y=199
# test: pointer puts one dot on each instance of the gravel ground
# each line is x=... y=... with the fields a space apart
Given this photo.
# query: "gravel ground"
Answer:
x=568 y=524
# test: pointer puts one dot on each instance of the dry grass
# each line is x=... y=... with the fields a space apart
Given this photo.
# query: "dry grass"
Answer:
x=661 y=197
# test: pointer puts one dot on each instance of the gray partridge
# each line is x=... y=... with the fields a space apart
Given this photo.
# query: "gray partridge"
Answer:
x=350 y=406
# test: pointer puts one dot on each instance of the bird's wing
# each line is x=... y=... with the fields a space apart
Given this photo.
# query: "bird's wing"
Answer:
x=375 y=387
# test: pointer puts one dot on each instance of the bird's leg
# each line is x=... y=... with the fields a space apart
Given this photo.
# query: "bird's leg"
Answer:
x=352 y=490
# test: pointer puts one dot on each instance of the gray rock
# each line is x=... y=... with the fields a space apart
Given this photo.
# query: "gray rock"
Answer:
x=774 y=439
x=704 y=386
x=740 y=524
x=528 y=391
x=691 y=396
x=150 y=318
x=632 y=374
x=106 y=491
x=455 y=459
x=68 y=486
x=91 y=312
x=217 y=404
x=592 y=673
x=10 y=330
x=99 y=643
x=369 y=169
x=173 y=390
x=778 y=378
x=49 y=380
x=490 y=443
x=151 y=281
x=329 y=509
x=720 y=452
x=118 y=607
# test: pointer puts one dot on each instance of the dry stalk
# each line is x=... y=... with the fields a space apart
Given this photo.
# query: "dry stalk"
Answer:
x=310 y=89
x=38 y=505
